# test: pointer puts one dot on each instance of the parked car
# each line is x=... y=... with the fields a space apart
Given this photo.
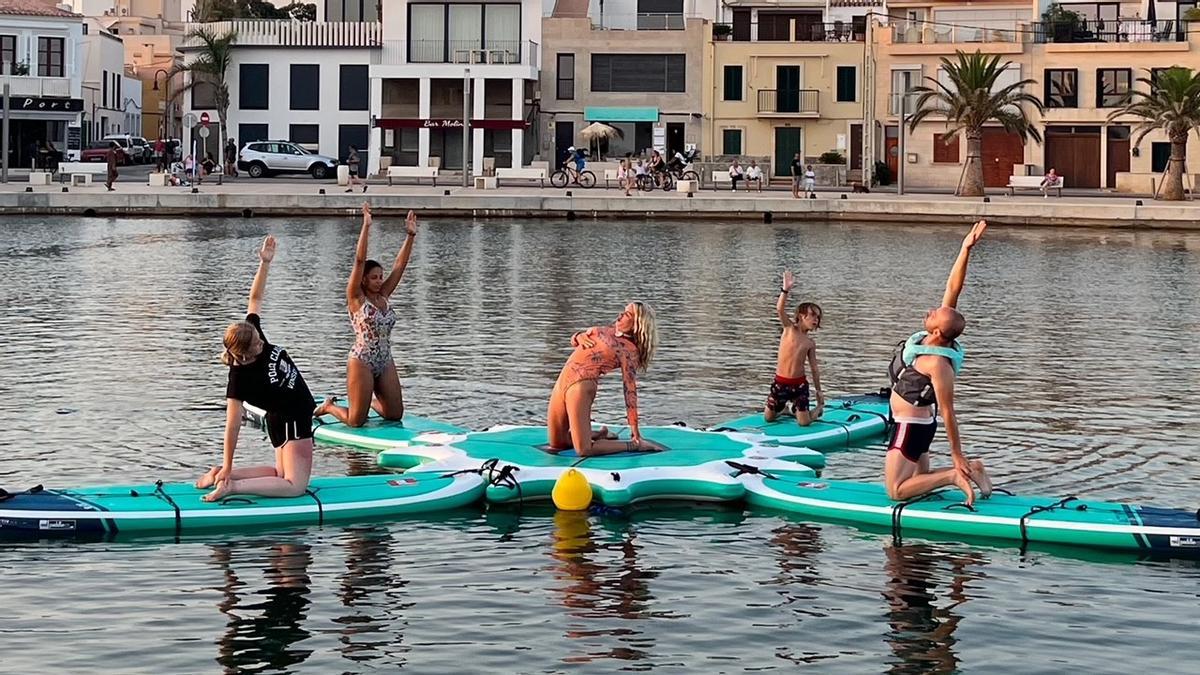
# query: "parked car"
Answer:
x=264 y=158
x=137 y=148
x=98 y=152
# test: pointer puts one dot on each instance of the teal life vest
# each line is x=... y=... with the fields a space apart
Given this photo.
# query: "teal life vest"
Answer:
x=911 y=384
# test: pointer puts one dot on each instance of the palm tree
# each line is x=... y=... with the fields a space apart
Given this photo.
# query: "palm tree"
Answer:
x=1172 y=105
x=213 y=58
x=970 y=102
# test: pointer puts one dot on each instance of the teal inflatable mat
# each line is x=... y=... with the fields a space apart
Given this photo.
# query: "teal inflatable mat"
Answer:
x=519 y=466
x=178 y=508
x=376 y=434
x=1018 y=518
x=846 y=422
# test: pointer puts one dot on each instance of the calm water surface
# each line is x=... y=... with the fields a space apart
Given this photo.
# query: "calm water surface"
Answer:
x=1083 y=375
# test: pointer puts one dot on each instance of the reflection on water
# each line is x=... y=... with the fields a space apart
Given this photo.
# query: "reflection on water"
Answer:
x=266 y=626
x=1083 y=375
x=923 y=617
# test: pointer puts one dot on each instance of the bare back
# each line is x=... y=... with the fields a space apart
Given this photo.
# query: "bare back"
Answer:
x=795 y=353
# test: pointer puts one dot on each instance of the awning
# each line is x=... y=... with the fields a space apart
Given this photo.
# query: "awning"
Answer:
x=620 y=114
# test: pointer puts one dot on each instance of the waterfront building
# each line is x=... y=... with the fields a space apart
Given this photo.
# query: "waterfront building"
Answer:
x=636 y=65
x=787 y=79
x=41 y=64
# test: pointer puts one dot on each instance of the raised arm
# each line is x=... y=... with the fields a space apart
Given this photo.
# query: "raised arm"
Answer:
x=393 y=280
x=354 y=285
x=958 y=274
x=265 y=255
x=781 y=303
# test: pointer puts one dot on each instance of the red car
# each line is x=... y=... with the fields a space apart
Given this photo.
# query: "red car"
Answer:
x=98 y=152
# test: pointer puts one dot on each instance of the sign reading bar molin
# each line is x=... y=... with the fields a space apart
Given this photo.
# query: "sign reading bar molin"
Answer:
x=397 y=123
x=47 y=104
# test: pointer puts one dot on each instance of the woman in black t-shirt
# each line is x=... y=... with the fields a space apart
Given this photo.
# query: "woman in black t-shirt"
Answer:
x=263 y=374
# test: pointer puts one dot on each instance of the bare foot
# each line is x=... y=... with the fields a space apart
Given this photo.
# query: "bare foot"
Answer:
x=323 y=409
x=964 y=484
x=650 y=446
x=603 y=434
x=208 y=479
x=981 y=479
x=222 y=490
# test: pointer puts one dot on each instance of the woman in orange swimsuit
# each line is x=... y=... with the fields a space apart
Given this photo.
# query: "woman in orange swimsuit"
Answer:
x=628 y=344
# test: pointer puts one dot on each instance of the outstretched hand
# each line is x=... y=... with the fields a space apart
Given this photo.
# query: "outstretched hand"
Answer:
x=974 y=235
x=366 y=211
x=267 y=252
x=788 y=280
x=410 y=224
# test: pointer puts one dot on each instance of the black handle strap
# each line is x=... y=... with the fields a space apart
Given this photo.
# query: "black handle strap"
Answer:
x=162 y=494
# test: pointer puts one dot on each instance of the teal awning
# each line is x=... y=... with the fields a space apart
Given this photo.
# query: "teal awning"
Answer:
x=620 y=114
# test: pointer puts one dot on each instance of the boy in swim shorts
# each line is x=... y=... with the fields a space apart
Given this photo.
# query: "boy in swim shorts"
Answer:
x=796 y=349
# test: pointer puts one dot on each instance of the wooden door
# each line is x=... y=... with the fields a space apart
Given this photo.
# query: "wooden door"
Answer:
x=1000 y=151
x=891 y=150
x=1118 y=159
x=1075 y=156
x=787 y=89
x=788 y=144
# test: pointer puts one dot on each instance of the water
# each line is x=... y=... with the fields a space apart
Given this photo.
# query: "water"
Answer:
x=1082 y=375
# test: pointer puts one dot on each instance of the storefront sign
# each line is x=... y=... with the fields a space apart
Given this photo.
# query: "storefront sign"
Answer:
x=44 y=104
x=396 y=123
x=74 y=138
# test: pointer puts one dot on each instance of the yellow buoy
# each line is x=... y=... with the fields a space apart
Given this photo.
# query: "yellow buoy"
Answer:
x=572 y=491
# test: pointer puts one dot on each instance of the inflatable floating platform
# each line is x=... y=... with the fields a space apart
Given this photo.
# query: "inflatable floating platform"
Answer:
x=519 y=466
x=376 y=434
x=846 y=422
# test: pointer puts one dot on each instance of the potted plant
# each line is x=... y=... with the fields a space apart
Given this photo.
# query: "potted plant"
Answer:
x=1060 y=24
x=722 y=31
x=20 y=69
x=831 y=157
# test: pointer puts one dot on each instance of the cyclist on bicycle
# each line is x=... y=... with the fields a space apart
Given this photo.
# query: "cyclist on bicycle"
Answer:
x=579 y=157
x=657 y=167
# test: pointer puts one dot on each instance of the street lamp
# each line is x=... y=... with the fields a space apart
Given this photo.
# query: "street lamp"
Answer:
x=166 y=125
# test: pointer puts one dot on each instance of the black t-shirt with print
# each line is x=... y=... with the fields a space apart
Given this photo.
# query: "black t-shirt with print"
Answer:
x=271 y=382
x=797 y=168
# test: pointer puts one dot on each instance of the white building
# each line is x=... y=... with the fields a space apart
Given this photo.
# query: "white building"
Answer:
x=112 y=101
x=39 y=61
x=417 y=83
x=306 y=82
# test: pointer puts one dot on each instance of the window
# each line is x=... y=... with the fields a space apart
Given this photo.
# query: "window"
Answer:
x=353 y=135
x=103 y=89
x=248 y=133
x=8 y=51
x=1062 y=88
x=903 y=82
x=943 y=152
x=1112 y=86
x=565 y=89
x=1160 y=156
x=351 y=10
x=50 y=57
x=254 y=81
x=1099 y=11
x=1156 y=73
x=304 y=134
x=463 y=32
x=355 y=87
x=847 y=84
x=733 y=84
x=306 y=87
x=204 y=96
x=647 y=73
x=660 y=14
x=731 y=141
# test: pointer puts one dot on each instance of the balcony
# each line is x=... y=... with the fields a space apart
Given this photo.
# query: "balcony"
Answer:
x=1111 y=31
x=286 y=33
x=932 y=34
x=789 y=102
x=838 y=31
x=28 y=85
x=466 y=52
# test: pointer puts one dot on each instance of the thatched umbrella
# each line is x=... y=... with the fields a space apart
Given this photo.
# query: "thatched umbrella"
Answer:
x=597 y=131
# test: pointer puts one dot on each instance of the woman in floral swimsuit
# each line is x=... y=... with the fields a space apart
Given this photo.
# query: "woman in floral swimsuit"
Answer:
x=628 y=344
x=372 y=381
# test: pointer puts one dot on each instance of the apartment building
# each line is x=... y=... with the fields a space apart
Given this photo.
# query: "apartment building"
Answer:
x=635 y=65
x=438 y=56
x=1082 y=70
x=787 y=79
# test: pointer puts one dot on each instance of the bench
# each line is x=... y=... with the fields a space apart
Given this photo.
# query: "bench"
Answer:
x=1031 y=183
x=80 y=173
x=538 y=174
x=417 y=172
x=720 y=178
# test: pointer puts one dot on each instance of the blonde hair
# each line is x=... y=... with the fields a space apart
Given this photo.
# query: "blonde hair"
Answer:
x=645 y=332
x=238 y=338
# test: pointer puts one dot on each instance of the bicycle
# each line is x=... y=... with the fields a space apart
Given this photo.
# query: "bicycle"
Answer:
x=648 y=181
x=565 y=175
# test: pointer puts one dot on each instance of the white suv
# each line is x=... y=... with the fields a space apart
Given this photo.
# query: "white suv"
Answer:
x=136 y=148
x=263 y=158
